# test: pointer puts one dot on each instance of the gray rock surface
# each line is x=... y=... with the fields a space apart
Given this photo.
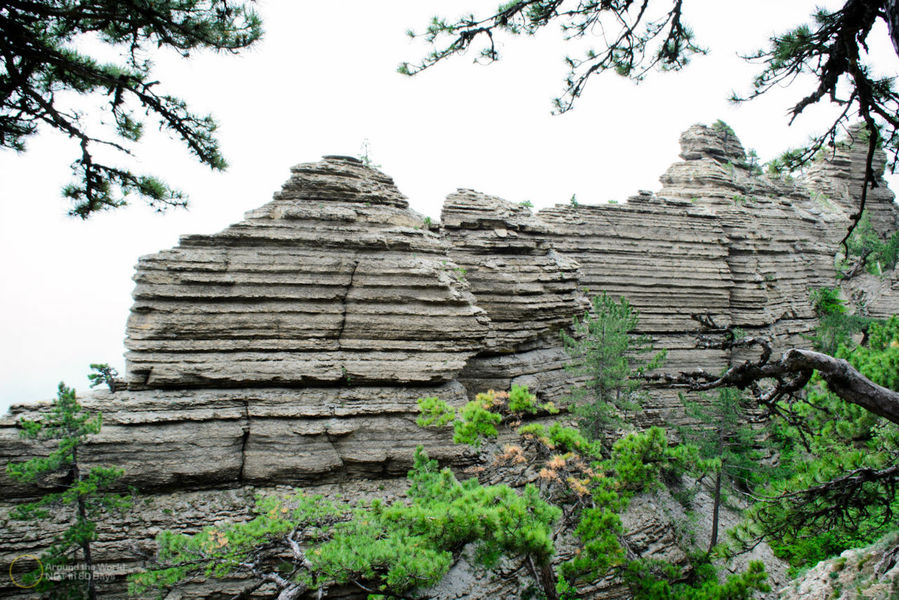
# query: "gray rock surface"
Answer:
x=335 y=280
x=870 y=573
x=290 y=348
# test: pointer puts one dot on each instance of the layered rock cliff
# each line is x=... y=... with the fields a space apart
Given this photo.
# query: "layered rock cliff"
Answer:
x=290 y=349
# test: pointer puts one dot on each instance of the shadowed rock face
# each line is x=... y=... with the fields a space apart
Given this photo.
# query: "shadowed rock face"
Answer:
x=290 y=348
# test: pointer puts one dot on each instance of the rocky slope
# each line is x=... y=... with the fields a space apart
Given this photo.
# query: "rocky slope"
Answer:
x=870 y=573
x=290 y=349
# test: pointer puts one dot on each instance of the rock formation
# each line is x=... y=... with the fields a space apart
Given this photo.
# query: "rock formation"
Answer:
x=290 y=349
x=334 y=280
x=871 y=573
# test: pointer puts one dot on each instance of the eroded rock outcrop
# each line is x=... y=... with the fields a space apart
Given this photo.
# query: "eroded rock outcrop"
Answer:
x=290 y=348
x=871 y=573
x=335 y=280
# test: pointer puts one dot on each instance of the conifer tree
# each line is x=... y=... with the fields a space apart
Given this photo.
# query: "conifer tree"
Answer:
x=724 y=435
x=78 y=492
x=42 y=53
x=605 y=351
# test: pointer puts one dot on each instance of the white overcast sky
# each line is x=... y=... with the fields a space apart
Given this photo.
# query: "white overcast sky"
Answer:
x=323 y=80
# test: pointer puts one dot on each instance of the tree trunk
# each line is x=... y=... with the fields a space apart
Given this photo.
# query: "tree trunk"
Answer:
x=842 y=379
x=545 y=577
x=891 y=7
x=548 y=581
x=82 y=519
x=846 y=382
x=715 y=509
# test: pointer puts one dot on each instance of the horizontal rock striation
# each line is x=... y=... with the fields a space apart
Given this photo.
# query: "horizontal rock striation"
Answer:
x=290 y=348
x=779 y=242
x=527 y=288
x=333 y=281
x=840 y=175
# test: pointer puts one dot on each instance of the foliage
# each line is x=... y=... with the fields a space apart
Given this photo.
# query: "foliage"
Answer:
x=79 y=495
x=723 y=127
x=752 y=162
x=522 y=401
x=393 y=549
x=44 y=54
x=835 y=325
x=103 y=374
x=879 y=360
x=879 y=255
x=638 y=37
x=565 y=439
x=575 y=474
x=477 y=420
x=434 y=412
x=604 y=350
x=639 y=41
x=827 y=301
x=648 y=581
x=368 y=161
x=835 y=487
x=383 y=548
x=639 y=459
x=723 y=436
x=638 y=463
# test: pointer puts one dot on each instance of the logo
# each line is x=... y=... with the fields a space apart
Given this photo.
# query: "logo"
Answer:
x=25 y=560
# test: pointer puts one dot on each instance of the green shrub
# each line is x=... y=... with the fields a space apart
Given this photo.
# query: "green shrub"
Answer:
x=434 y=412
x=474 y=423
x=390 y=548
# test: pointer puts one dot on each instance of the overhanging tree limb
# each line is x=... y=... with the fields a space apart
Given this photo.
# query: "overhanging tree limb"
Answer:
x=793 y=370
x=40 y=56
x=636 y=37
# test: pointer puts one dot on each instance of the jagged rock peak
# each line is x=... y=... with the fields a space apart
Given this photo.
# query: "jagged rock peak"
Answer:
x=333 y=281
x=839 y=173
x=341 y=179
x=716 y=142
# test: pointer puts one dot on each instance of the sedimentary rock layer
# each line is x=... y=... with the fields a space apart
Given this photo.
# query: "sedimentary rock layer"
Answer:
x=333 y=281
x=290 y=349
x=527 y=288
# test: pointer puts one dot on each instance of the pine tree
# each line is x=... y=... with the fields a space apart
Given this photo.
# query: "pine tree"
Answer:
x=42 y=54
x=605 y=350
x=724 y=434
x=80 y=492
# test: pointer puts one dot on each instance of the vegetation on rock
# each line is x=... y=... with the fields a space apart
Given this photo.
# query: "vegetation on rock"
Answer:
x=604 y=350
x=835 y=486
x=305 y=542
x=866 y=248
x=723 y=434
x=78 y=496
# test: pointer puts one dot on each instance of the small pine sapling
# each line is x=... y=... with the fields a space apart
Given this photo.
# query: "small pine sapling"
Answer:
x=78 y=492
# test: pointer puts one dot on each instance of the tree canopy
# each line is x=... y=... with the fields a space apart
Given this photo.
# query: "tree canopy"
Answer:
x=635 y=38
x=46 y=62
